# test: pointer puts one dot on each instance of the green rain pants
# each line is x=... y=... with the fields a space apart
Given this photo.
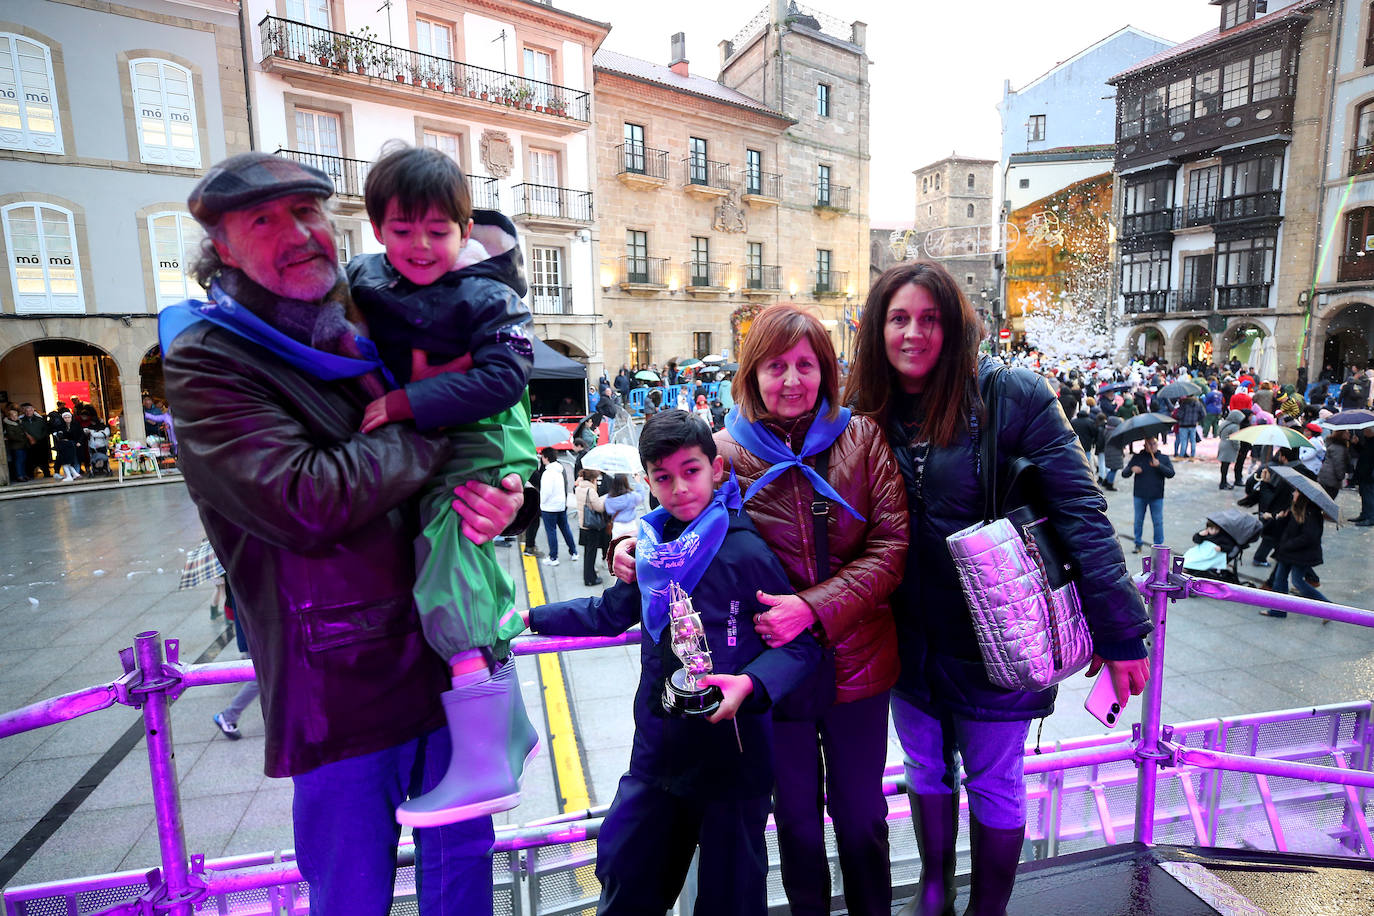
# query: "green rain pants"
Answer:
x=465 y=598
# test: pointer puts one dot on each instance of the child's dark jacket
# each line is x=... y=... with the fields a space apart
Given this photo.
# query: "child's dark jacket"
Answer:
x=691 y=757
x=475 y=310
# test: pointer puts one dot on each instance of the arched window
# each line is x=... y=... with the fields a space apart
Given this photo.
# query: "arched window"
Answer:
x=28 y=96
x=165 y=107
x=970 y=181
x=44 y=266
x=937 y=181
x=172 y=239
x=970 y=211
x=1362 y=159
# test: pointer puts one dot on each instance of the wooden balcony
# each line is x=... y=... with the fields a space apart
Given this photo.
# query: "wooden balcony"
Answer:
x=1359 y=266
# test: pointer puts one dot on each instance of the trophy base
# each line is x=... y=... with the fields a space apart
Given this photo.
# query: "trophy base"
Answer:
x=678 y=700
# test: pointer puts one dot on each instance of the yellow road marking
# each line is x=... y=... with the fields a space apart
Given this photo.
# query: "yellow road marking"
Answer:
x=567 y=761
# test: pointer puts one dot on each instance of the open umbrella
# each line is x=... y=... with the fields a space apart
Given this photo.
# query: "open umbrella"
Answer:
x=730 y=367
x=550 y=435
x=713 y=358
x=1241 y=526
x=1270 y=434
x=1141 y=426
x=1350 y=419
x=689 y=363
x=1311 y=489
x=613 y=458
x=1181 y=389
x=647 y=375
x=1115 y=386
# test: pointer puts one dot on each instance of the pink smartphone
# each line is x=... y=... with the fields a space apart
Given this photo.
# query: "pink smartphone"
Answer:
x=1101 y=701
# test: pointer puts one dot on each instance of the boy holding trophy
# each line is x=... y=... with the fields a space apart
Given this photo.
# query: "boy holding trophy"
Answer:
x=695 y=779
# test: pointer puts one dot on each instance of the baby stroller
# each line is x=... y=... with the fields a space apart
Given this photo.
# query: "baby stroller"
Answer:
x=99 y=441
x=1221 y=544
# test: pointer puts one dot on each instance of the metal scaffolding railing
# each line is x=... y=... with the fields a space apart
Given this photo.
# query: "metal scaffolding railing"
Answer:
x=1079 y=792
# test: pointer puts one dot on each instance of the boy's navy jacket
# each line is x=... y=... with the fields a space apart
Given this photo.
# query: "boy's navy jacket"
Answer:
x=691 y=757
x=475 y=310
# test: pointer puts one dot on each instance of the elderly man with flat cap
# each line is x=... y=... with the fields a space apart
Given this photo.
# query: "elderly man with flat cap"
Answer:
x=314 y=524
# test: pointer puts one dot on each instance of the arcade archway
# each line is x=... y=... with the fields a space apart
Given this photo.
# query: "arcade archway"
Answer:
x=1349 y=340
x=44 y=372
x=1146 y=343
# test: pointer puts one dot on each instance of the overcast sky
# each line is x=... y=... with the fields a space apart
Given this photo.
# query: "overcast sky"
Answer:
x=937 y=69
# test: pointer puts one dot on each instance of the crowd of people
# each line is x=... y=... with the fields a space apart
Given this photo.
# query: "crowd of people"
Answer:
x=807 y=526
x=69 y=442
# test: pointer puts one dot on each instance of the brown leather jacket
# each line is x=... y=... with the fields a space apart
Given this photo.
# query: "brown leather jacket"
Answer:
x=314 y=523
x=868 y=558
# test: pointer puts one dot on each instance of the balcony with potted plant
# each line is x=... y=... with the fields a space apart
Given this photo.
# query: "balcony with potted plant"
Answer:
x=361 y=66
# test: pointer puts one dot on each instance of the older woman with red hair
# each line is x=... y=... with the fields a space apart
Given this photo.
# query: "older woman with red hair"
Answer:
x=823 y=489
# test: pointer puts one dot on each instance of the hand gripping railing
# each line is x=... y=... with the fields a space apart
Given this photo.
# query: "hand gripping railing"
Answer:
x=151 y=682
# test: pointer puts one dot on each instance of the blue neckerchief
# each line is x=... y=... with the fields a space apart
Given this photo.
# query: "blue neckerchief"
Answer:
x=757 y=439
x=684 y=560
x=230 y=315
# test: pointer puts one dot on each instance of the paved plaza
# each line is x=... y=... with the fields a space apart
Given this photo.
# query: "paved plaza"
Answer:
x=87 y=569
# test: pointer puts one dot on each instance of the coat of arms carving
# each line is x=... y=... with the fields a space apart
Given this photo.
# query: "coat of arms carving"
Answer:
x=498 y=153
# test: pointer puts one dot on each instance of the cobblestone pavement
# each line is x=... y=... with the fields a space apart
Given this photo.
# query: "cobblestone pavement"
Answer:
x=85 y=571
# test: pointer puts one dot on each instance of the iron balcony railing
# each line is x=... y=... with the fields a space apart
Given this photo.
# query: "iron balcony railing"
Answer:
x=1362 y=160
x=486 y=192
x=763 y=276
x=638 y=159
x=364 y=56
x=829 y=282
x=834 y=196
x=551 y=300
x=1202 y=213
x=644 y=271
x=1248 y=206
x=1243 y=296
x=1145 y=302
x=1358 y=266
x=549 y=202
x=707 y=273
x=762 y=184
x=349 y=174
x=1147 y=223
x=706 y=172
x=1191 y=300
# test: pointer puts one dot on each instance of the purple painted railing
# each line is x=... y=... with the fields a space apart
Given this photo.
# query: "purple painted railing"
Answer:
x=150 y=682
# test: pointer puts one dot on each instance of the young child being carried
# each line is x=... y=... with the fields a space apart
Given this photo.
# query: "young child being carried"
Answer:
x=692 y=781
x=454 y=291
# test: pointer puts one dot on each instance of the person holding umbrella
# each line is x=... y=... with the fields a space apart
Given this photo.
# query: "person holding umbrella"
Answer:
x=1228 y=449
x=1150 y=468
x=1300 y=545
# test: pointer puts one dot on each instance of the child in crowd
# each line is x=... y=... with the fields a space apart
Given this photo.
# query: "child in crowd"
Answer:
x=454 y=292
x=692 y=781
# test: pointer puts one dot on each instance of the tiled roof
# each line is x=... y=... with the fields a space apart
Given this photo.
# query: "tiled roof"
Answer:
x=1213 y=36
x=633 y=67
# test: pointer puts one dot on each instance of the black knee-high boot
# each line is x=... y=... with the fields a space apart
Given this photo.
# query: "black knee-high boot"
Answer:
x=935 y=818
x=996 y=852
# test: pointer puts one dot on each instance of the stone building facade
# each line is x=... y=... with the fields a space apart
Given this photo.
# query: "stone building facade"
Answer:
x=502 y=86
x=958 y=222
x=752 y=187
x=1338 y=301
x=117 y=110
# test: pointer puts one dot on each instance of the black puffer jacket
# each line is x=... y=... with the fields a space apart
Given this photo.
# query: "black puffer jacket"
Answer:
x=313 y=522
x=1301 y=541
x=941 y=664
x=475 y=310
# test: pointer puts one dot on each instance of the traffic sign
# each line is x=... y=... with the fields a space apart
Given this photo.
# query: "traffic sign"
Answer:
x=1004 y=334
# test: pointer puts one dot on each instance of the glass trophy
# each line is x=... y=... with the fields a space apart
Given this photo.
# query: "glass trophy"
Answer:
x=682 y=695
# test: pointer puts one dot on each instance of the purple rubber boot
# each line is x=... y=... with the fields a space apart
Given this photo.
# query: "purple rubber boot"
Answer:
x=493 y=742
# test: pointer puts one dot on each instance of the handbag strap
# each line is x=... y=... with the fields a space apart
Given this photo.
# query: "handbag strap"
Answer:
x=820 y=515
x=987 y=446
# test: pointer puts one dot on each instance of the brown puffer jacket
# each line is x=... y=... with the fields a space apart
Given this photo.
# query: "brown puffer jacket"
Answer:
x=867 y=557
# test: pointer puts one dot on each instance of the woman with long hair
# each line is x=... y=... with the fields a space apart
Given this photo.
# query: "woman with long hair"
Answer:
x=917 y=373
x=812 y=471
x=621 y=504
